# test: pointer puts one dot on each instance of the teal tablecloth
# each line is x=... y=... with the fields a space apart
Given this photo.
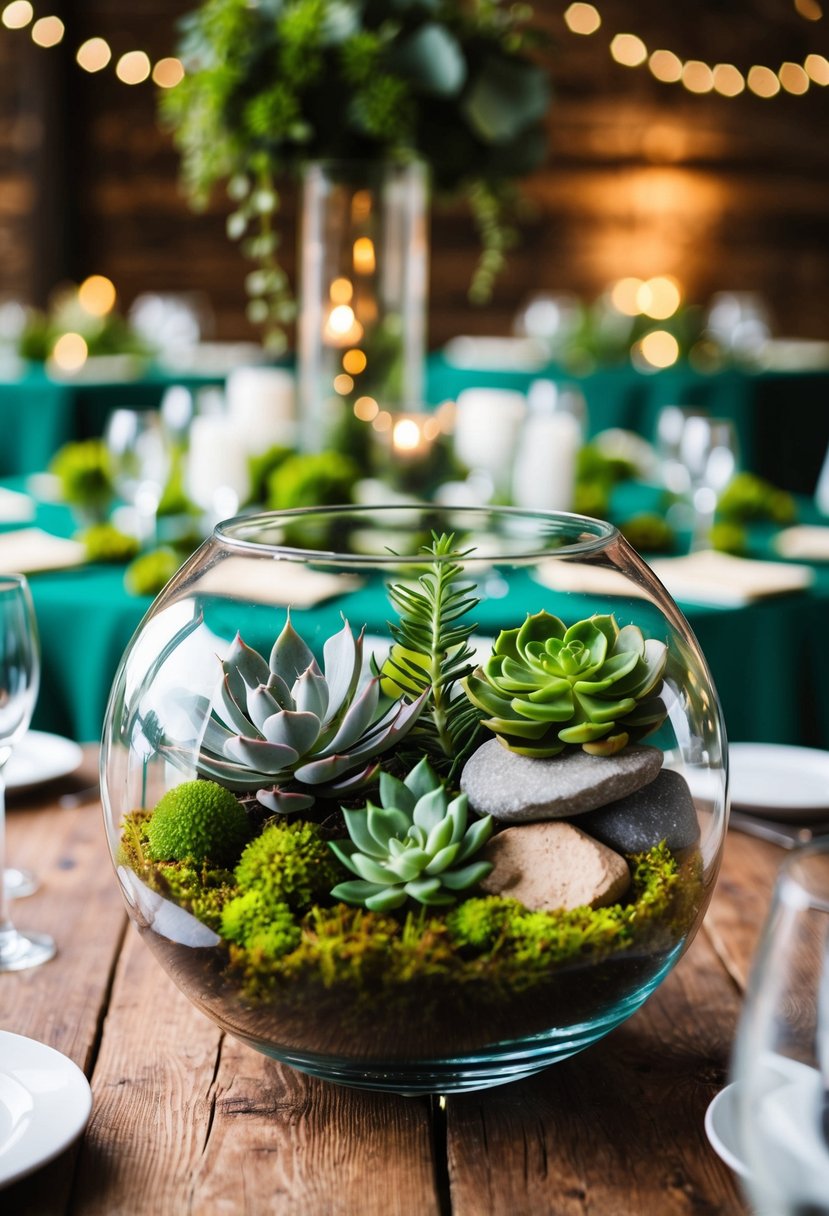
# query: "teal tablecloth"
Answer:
x=769 y=659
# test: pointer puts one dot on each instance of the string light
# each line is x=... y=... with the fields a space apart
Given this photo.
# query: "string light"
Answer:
x=697 y=76
x=93 y=55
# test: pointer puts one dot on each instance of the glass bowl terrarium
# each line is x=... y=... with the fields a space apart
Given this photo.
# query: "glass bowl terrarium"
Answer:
x=412 y=798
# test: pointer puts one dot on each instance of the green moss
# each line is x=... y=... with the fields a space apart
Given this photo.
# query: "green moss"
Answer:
x=262 y=927
x=199 y=820
x=200 y=889
x=151 y=571
x=106 y=543
x=491 y=942
x=289 y=863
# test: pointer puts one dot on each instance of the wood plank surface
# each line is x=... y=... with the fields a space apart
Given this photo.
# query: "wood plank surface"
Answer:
x=188 y=1122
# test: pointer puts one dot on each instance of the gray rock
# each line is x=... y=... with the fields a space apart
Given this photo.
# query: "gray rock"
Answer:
x=553 y=866
x=663 y=810
x=519 y=789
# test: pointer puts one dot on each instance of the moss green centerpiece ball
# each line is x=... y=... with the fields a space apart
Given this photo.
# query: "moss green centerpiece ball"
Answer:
x=200 y=820
x=289 y=863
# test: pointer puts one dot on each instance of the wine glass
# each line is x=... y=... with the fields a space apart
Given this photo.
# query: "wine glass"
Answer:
x=141 y=463
x=781 y=1056
x=708 y=451
x=19 y=680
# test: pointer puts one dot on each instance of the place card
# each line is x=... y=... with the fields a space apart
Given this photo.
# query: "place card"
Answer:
x=29 y=550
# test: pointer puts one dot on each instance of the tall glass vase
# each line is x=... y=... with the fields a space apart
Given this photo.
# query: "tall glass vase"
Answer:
x=363 y=285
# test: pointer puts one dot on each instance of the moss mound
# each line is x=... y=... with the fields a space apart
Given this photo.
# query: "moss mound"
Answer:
x=197 y=820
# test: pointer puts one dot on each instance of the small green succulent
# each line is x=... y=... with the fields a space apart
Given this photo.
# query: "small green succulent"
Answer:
x=412 y=846
x=281 y=727
x=546 y=686
x=198 y=820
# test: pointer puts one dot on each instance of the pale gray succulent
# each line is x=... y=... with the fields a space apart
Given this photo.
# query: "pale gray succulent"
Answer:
x=293 y=733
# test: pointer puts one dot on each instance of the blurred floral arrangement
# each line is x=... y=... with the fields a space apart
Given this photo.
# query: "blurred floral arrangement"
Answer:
x=272 y=86
x=81 y=322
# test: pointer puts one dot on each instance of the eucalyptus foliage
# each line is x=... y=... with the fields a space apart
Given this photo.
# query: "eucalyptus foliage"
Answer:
x=272 y=85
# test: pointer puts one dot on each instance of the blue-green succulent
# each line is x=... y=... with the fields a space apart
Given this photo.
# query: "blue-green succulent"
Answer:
x=416 y=845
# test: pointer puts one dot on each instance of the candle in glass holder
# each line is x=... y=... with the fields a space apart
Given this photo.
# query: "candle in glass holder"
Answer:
x=412 y=436
x=544 y=476
x=217 y=477
x=261 y=402
x=487 y=424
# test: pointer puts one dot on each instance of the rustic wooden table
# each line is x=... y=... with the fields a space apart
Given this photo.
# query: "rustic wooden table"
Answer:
x=187 y=1120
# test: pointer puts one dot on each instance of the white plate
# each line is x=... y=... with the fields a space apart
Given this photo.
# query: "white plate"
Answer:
x=777 y=780
x=40 y=757
x=45 y=1102
x=792 y=1140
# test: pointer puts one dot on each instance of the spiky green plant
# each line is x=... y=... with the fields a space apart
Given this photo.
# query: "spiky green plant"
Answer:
x=416 y=845
x=432 y=653
x=546 y=686
x=281 y=727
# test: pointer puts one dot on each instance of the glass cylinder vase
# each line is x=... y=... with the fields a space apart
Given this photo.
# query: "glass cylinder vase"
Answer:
x=415 y=799
x=362 y=299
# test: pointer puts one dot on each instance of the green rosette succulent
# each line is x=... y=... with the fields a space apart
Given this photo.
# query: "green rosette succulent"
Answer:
x=415 y=845
x=291 y=732
x=546 y=686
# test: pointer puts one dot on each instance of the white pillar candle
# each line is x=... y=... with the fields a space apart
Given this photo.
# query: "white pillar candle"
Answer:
x=544 y=477
x=261 y=401
x=487 y=423
x=217 y=477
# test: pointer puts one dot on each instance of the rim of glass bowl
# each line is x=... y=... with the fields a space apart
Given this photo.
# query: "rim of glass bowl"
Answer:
x=596 y=534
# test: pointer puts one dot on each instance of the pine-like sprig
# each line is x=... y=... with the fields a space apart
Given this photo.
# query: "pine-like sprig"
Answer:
x=432 y=652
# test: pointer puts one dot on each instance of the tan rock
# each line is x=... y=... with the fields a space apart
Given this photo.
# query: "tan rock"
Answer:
x=552 y=866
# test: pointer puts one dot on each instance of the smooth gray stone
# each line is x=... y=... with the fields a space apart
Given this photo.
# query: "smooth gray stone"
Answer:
x=520 y=789
x=663 y=810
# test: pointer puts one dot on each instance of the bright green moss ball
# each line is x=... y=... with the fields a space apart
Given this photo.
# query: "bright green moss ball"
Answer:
x=200 y=820
x=288 y=863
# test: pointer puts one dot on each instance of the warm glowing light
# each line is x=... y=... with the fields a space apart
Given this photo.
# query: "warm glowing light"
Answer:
x=659 y=348
x=697 y=76
x=818 y=68
x=659 y=297
x=96 y=295
x=728 y=80
x=763 y=81
x=382 y=422
x=354 y=362
x=582 y=19
x=17 y=14
x=366 y=409
x=793 y=78
x=343 y=384
x=810 y=9
x=167 y=73
x=406 y=435
x=341 y=319
x=361 y=204
x=628 y=50
x=69 y=352
x=48 y=31
x=340 y=291
x=431 y=428
x=93 y=55
x=666 y=66
x=364 y=259
x=133 y=67
x=624 y=296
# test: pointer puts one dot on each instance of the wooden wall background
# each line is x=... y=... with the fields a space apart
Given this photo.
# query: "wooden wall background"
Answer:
x=642 y=178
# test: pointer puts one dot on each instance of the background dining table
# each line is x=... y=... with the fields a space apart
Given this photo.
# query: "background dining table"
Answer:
x=186 y=1120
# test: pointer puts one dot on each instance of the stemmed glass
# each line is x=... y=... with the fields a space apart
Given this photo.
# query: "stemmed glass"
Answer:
x=781 y=1056
x=141 y=463
x=708 y=451
x=19 y=681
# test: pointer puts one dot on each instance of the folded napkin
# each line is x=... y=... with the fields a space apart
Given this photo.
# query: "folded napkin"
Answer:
x=15 y=508
x=28 y=550
x=700 y=578
x=273 y=582
x=709 y=577
x=808 y=542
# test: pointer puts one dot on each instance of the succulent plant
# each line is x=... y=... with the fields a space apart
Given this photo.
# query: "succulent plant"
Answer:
x=415 y=845
x=291 y=733
x=546 y=686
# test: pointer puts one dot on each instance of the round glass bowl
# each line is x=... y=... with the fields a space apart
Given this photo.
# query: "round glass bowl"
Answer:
x=411 y=798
